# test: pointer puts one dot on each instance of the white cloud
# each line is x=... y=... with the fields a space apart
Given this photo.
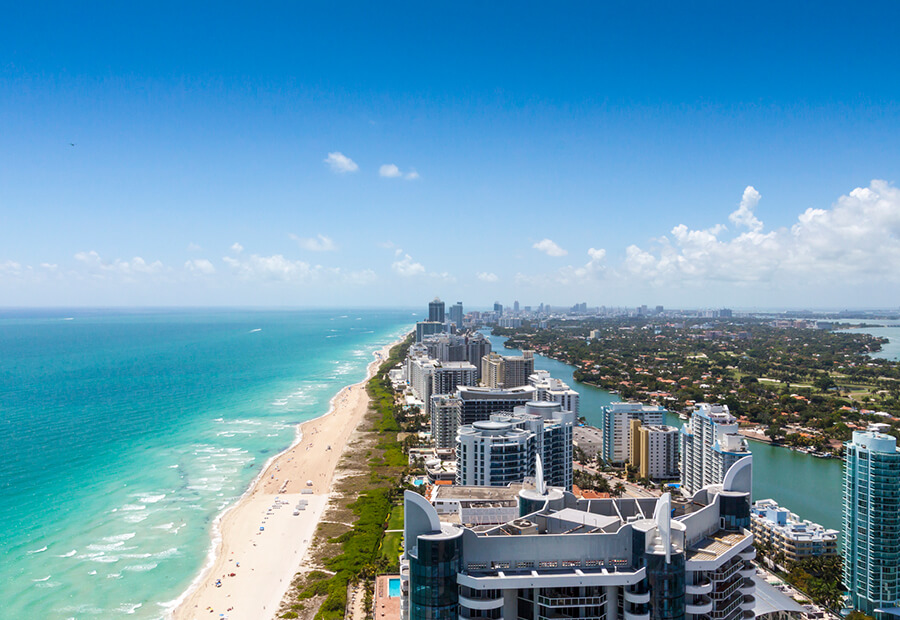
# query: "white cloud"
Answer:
x=406 y=267
x=389 y=171
x=549 y=248
x=319 y=243
x=193 y=247
x=487 y=276
x=267 y=268
x=744 y=215
x=11 y=267
x=200 y=266
x=859 y=237
x=340 y=163
x=135 y=266
x=237 y=248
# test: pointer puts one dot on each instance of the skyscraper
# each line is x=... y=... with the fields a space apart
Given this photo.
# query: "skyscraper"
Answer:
x=871 y=526
x=710 y=445
x=456 y=314
x=436 y=310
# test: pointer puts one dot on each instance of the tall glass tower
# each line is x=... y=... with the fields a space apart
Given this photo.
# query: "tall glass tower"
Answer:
x=871 y=524
x=436 y=310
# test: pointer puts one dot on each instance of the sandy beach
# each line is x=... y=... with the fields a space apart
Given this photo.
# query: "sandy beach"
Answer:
x=262 y=543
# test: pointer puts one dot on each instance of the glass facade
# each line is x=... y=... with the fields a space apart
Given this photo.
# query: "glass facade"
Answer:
x=735 y=512
x=433 y=593
x=666 y=583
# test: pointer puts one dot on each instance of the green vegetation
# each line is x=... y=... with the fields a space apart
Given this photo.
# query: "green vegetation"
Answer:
x=820 y=578
x=803 y=387
x=364 y=549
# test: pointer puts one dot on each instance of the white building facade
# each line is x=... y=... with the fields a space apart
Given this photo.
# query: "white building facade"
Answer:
x=710 y=444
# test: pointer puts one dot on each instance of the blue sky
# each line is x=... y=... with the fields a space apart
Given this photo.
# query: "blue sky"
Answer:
x=692 y=154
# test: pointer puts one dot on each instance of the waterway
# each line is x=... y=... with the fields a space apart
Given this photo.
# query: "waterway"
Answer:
x=806 y=485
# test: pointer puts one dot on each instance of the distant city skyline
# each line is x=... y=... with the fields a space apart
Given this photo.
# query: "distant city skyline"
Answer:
x=688 y=156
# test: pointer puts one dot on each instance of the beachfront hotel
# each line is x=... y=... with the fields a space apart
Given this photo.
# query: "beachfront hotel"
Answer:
x=710 y=445
x=785 y=537
x=617 y=430
x=505 y=448
x=563 y=557
x=871 y=524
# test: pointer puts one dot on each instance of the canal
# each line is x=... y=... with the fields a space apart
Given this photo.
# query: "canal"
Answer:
x=804 y=484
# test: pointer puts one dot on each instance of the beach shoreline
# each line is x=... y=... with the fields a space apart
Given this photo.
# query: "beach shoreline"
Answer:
x=258 y=544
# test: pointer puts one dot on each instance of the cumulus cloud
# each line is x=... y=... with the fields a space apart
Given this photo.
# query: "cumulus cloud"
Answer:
x=200 y=266
x=859 y=236
x=193 y=247
x=136 y=265
x=237 y=248
x=319 y=243
x=389 y=171
x=276 y=267
x=549 y=248
x=744 y=215
x=340 y=163
x=406 y=267
x=487 y=276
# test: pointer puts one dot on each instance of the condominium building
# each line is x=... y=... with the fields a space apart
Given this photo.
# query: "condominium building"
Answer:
x=436 y=310
x=446 y=347
x=477 y=346
x=456 y=314
x=785 y=537
x=428 y=376
x=710 y=445
x=444 y=411
x=871 y=527
x=554 y=390
x=507 y=371
x=653 y=449
x=503 y=449
x=478 y=403
x=615 y=419
x=426 y=328
x=564 y=557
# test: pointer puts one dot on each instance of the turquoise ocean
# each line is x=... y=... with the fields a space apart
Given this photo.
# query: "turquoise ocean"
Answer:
x=125 y=434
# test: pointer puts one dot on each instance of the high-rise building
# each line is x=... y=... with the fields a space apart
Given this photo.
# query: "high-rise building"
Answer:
x=516 y=306
x=456 y=314
x=503 y=450
x=563 y=557
x=428 y=376
x=427 y=328
x=444 y=410
x=446 y=347
x=710 y=445
x=554 y=390
x=507 y=371
x=436 y=310
x=498 y=308
x=654 y=450
x=615 y=419
x=871 y=526
x=477 y=346
x=478 y=403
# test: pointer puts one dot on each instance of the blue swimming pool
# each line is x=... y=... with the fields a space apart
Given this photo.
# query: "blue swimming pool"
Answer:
x=418 y=482
x=394 y=587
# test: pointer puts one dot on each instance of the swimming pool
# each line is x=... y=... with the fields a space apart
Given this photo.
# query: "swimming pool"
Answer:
x=394 y=587
x=418 y=482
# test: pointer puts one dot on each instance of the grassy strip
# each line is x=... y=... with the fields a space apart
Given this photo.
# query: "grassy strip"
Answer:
x=361 y=547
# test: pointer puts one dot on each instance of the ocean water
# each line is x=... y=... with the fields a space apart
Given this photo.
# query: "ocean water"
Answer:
x=124 y=435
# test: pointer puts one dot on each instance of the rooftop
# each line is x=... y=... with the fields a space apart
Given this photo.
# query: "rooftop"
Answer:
x=715 y=545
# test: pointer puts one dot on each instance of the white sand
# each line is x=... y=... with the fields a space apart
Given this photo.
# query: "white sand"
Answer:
x=269 y=559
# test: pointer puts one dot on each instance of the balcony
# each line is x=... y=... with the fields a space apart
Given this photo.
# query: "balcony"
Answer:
x=634 y=616
x=701 y=605
x=635 y=597
x=748 y=554
x=747 y=572
x=561 y=600
x=748 y=587
x=481 y=603
x=703 y=586
x=748 y=602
